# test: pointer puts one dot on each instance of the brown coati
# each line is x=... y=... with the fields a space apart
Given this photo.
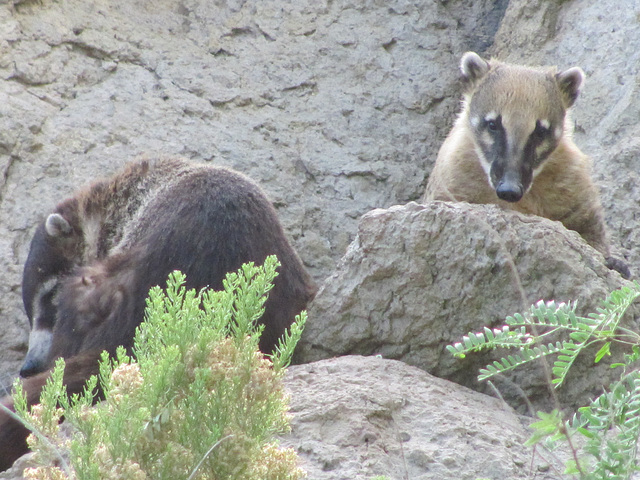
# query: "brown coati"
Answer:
x=127 y=233
x=93 y=260
x=511 y=145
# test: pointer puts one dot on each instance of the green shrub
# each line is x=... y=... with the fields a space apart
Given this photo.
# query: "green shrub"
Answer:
x=199 y=401
x=611 y=423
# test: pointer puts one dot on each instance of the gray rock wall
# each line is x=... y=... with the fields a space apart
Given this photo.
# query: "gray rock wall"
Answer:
x=336 y=108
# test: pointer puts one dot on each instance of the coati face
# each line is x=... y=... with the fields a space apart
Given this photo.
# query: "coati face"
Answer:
x=52 y=255
x=517 y=117
x=88 y=298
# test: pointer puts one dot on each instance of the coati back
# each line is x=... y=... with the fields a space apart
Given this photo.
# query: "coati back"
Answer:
x=511 y=145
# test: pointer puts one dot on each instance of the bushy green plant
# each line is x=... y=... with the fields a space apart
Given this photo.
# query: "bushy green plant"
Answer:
x=199 y=401
x=611 y=423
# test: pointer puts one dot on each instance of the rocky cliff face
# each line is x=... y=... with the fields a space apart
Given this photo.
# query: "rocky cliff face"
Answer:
x=335 y=108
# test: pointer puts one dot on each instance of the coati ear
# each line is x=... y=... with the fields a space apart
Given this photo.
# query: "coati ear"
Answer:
x=473 y=67
x=570 y=82
x=56 y=226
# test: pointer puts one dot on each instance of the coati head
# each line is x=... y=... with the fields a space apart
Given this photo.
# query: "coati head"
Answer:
x=69 y=305
x=52 y=255
x=517 y=116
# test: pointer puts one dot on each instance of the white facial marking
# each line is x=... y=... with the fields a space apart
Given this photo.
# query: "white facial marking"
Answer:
x=545 y=124
x=47 y=286
x=490 y=116
x=486 y=166
x=540 y=149
x=536 y=171
x=486 y=139
x=475 y=121
x=43 y=290
x=557 y=132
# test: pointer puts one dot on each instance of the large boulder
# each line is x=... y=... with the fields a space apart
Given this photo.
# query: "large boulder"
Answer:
x=358 y=418
x=418 y=277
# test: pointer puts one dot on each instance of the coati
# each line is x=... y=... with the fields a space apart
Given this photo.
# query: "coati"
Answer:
x=93 y=260
x=118 y=237
x=511 y=145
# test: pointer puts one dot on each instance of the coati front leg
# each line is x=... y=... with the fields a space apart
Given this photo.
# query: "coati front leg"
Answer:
x=589 y=223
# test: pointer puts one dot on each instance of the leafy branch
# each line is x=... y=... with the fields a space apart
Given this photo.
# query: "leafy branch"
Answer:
x=611 y=423
x=199 y=400
x=519 y=334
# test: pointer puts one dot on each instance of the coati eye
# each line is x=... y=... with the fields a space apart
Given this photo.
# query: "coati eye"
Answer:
x=493 y=122
x=541 y=132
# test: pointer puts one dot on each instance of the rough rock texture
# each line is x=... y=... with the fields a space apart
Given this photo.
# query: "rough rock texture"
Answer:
x=334 y=107
x=358 y=417
x=418 y=277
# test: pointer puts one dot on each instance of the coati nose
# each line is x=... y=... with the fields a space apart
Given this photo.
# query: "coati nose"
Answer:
x=30 y=368
x=509 y=191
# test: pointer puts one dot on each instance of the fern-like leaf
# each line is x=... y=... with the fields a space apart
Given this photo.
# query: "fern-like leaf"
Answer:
x=612 y=426
x=525 y=355
x=490 y=339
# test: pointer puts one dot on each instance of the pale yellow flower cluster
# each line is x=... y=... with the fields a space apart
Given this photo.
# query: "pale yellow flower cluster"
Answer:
x=49 y=443
x=125 y=380
x=225 y=362
x=46 y=473
x=278 y=464
x=116 y=470
x=46 y=421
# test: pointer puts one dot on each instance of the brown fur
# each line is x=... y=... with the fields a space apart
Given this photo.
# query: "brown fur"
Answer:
x=559 y=186
x=93 y=260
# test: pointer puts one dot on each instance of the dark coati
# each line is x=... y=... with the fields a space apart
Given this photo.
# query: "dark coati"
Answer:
x=99 y=252
x=511 y=145
x=93 y=260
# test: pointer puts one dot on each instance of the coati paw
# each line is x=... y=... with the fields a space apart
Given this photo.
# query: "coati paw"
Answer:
x=619 y=266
